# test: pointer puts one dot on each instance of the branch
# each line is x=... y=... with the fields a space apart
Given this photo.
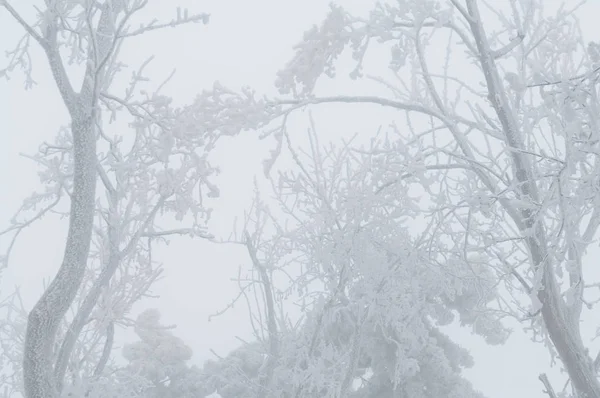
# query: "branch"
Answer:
x=448 y=24
x=110 y=337
x=591 y=228
x=271 y=317
x=437 y=167
x=180 y=21
x=23 y=225
x=515 y=273
x=548 y=387
x=24 y=24
x=580 y=77
x=89 y=302
x=567 y=341
x=463 y=12
x=362 y=99
x=180 y=231
x=506 y=49
x=366 y=99
x=140 y=232
x=105 y=180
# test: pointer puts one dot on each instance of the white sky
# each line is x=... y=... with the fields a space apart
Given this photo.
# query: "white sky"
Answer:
x=245 y=43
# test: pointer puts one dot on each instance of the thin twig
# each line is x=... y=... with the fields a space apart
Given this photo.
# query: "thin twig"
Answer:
x=548 y=387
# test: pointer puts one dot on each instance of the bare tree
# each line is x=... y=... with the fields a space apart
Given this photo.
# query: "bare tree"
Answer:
x=500 y=138
x=344 y=303
x=508 y=170
x=501 y=142
x=160 y=172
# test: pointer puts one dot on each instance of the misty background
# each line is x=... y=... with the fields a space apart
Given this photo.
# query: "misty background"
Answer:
x=245 y=44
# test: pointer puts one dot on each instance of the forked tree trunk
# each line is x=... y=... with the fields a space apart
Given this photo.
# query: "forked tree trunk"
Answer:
x=45 y=317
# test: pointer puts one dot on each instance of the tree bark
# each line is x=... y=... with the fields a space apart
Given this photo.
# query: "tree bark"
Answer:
x=45 y=317
x=48 y=312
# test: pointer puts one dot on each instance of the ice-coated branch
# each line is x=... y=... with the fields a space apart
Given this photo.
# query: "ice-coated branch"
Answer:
x=106 y=351
x=19 y=227
x=180 y=20
x=22 y=22
x=449 y=24
x=548 y=387
x=271 y=314
x=400 y=105
x=114 y=259
x=509 y=47
x=179 y=231
x=565 y=338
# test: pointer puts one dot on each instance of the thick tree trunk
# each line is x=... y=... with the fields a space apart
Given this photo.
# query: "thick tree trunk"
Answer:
x=45 y=317
x=48 y=312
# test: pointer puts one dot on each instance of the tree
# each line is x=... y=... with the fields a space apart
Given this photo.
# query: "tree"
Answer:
x=371 y=301
x=161 y=357
x=508 y=169
x=158 y=172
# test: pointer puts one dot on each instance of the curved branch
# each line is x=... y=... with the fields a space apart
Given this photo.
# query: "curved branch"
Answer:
x=80 y=319
x=367 y=99
x=110 y=338
x=420 y=109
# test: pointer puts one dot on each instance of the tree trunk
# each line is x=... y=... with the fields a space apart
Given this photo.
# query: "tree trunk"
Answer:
x=565 y=338
x=48 y=312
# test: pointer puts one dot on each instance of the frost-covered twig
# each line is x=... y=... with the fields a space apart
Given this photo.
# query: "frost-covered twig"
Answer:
x=548 y=387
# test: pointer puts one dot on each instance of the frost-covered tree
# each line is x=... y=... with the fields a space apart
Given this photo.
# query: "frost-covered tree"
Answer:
x=161 y=358
x=371 y=299
x=152 y=163
x=498 y=135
